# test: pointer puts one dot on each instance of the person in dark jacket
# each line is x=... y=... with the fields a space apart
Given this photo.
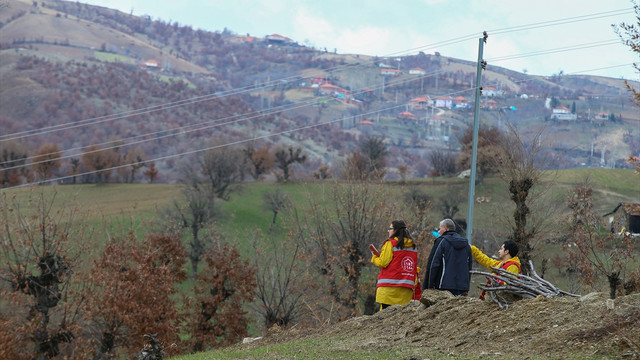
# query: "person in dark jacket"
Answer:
x=449 y=262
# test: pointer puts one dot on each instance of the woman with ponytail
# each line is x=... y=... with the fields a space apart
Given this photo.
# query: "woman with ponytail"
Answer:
x=398 y=262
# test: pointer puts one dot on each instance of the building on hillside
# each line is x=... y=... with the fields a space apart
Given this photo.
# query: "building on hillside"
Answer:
x=317 y=81
x=629 y=216
x=562 y=113
x=390 y=72
x=406 y=115
x=420 y=103
x=460 y=102
x=278 y=39
x=489 y=105
x=444 y=102
x=417 y=71
x=601 y=116
x=491 y=91
x=335 y=91
x=150 y=64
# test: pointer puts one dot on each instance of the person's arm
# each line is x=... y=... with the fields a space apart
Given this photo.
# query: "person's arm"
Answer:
x=386 y=254
x=436 y=266
x=483 y=259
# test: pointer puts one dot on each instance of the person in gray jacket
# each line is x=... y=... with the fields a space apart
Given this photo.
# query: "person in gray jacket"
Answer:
x=449 y=262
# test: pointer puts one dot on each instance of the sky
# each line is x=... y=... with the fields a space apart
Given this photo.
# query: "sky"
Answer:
x=542 y=37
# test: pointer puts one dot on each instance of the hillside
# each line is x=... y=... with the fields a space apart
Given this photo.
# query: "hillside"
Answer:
x=447 y=327
x=78 y=75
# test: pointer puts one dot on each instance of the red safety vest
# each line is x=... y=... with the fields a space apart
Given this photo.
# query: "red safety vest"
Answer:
x=401 y=271
x=503 y=266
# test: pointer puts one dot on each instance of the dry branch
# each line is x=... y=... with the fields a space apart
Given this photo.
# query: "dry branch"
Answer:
x=503 y=282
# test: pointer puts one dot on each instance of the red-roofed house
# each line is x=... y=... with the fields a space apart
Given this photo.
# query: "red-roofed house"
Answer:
x=277 y=38
x=335 y=91
x=151 y=64
x=444 y=102
x=422 y=103
x=489 y=105
x=406 y=115
x=460 y=102
x=562 y=113
x=491 y=91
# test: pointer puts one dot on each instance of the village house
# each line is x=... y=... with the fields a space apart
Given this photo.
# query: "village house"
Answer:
x=562 y=113
x=406 y=115
x=420 y=103
x=417 y=71
x=390 y=72
x=444 y=102
x=489 y=105
x=335 y=91
x=628 y=214
x=150 y=64
x=316 y=81
x=602 y=116
x=491 y=91
x=278 y=39
x=460 y=102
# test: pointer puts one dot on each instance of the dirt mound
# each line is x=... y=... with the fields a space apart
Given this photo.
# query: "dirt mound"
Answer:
x=563 y=327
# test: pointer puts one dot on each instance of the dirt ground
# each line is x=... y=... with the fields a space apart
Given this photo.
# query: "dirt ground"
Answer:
x=591 y=326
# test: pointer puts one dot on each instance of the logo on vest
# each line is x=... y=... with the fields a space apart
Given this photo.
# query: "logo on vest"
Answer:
x=408 y=264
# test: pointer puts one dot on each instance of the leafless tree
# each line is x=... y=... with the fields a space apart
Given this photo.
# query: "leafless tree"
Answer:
x=285 y=158
x=40 y=245
x=335 y=236
x=281 y=280
x=443 y=162
x=223 y=168
x=527 y=171
x=595 y=251
x=276 y=201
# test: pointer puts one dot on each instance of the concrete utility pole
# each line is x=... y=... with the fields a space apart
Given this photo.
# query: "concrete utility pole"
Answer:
x=476 y=125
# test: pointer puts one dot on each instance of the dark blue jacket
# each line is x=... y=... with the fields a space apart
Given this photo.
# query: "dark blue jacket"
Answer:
x=449 y=263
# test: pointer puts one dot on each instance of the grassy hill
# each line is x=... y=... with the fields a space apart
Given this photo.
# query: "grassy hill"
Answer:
x=143 y=204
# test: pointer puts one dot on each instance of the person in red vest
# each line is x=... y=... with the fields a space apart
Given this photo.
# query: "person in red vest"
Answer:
x=508 y=259
x=398 y=263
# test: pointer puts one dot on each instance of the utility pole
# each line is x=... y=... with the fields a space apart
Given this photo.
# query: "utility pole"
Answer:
x=476 y=125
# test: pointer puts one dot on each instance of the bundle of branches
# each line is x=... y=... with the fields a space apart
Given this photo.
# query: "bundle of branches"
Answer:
x=504 y=284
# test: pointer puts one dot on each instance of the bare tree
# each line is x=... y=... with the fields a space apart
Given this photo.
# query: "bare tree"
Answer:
x=521 y=166
x=335 y=238
x=449 y=203
x=375 y=151
x=39 y=247
x=223 y=169
x=595 y=251
x=443 y=162
x=13 y=157
x=261 y=161
x=193 y=213
x=46 y=161
x=99 y=161
x=276 y=201
x=285 y=158
x=489 y=148
x=281 y=281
